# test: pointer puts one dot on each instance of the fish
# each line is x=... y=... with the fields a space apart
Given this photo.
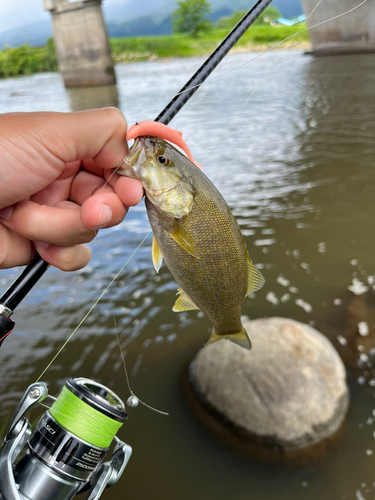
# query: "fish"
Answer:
x=196 y=235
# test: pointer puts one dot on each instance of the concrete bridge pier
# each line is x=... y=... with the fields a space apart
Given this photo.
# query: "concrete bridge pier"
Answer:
x=349 y=34
x=81 y=42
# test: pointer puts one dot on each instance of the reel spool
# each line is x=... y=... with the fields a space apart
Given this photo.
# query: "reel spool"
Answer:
x=65 y=452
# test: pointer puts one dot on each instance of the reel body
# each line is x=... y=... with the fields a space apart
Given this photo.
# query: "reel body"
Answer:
x=63 y=460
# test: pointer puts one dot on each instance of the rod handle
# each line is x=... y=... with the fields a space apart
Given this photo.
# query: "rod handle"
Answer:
x=24 y=283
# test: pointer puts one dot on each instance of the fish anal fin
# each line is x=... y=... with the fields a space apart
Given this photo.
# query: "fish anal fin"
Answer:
x=184 y=302
x=255 y=278
x=157 y=256
x=183 y=239
x=240 y=338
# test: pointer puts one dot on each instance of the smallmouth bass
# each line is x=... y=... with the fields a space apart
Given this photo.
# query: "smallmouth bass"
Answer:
x=197 y=236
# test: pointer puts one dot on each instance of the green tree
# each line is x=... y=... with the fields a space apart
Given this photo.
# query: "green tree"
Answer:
x=190 y=17
x=51 y=59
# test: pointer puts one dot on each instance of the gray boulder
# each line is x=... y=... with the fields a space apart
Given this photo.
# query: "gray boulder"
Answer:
x=288 y=392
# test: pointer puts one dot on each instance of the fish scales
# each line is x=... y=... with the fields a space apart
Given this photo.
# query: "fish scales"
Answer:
x=197 y=236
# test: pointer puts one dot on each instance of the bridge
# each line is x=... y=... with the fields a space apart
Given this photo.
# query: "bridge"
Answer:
x=348 y=34
x=81 y=42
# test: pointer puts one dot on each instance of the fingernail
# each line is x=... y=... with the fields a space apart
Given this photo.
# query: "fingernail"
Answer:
x=40 y=245
x=6 y=213
x=105 y=216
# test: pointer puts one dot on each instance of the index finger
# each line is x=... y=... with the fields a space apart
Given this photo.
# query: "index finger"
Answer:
x=47 y=141
x=98 y=134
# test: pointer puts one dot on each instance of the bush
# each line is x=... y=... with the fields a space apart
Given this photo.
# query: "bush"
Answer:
x=25 y=60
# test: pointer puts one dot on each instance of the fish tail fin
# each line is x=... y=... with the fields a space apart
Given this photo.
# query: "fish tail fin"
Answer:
x=240 y=338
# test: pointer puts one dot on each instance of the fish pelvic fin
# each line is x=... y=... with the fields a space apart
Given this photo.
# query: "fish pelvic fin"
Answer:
x=240 y=338
x=157 y=256
x=184 y=302
x=255 y=278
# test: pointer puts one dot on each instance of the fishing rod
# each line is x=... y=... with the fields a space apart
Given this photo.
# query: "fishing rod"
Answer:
x=37 y=267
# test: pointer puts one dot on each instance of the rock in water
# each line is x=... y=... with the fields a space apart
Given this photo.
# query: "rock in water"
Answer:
x=289 y=392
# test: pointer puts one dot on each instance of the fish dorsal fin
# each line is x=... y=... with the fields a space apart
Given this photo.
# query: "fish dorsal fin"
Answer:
x=255 y=278
x=184 y=302
x=183 y=238
x=157 y=256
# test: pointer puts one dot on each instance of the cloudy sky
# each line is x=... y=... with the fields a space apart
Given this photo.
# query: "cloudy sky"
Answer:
x=14 y=13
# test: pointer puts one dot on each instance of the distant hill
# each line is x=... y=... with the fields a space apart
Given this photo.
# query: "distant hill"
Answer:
x=35 y=34
x=152 y=25
x=136 y=18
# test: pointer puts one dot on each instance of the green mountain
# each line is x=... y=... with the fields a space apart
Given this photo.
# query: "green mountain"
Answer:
x=136 y=18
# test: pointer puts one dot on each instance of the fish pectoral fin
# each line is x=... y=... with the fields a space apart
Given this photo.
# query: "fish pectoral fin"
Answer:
x=157 y=256
x=183 y=238
x=184 y=302
x=240 y=338
x=255 y=278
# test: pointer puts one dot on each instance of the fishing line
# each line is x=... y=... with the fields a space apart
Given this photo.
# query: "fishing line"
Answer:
x=83 y=420
x=77 y=411
x=132 y=394
x=92 y=308
x=133 y=400
x=262 y=53
x=113 y=316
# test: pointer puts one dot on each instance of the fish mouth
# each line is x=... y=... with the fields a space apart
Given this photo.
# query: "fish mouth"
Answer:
x=129 y=164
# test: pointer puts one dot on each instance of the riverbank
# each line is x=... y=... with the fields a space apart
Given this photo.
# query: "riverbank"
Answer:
x=257 y=39
x=26 y=60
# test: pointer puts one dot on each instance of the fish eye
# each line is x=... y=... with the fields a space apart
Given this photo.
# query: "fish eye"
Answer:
x=163 y=160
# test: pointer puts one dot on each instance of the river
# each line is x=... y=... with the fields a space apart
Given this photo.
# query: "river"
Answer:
x=288 y=139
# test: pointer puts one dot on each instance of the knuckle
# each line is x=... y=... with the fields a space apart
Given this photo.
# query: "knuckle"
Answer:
x=86 y=236
x=73 y=258
x=114 y=114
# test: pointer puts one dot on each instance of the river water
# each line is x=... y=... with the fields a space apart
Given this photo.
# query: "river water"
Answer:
x=289 y=141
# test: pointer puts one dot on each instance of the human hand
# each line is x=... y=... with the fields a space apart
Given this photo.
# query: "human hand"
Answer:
x=53 y=191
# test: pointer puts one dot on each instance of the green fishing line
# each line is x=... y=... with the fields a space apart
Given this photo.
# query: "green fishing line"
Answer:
x=84 y=421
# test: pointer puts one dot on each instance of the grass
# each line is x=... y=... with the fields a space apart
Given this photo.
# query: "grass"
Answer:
x=146 y=48
x=25 y=60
